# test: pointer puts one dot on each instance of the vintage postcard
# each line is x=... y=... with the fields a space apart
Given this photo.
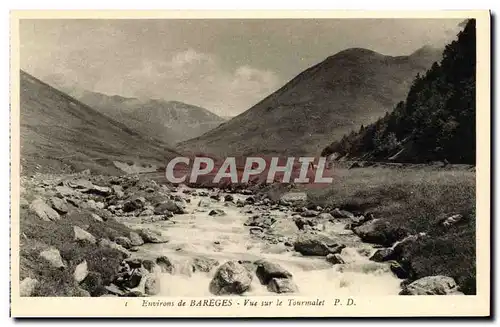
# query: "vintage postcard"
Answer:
x=250 y=164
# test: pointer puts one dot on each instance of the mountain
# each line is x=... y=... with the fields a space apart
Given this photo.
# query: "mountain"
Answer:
x=59 y=133
x=350 y=88
x=168 y=121
x=436 y=122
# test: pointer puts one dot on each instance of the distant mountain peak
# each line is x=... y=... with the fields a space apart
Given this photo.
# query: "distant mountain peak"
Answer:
x=355 y=53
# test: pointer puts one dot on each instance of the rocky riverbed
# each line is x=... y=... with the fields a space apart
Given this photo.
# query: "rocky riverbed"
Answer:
x=182 y=241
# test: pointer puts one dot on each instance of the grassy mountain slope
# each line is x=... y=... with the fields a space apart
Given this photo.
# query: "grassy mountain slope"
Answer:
x=350 y=88
x=58 y=133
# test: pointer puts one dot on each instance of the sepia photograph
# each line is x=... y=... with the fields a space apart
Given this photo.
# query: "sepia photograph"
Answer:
x=309 y=166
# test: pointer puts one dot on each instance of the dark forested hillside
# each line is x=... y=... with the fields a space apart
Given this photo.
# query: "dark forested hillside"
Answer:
x=437 y=120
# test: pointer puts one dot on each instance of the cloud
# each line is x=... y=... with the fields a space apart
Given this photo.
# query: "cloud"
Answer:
x=196 y=78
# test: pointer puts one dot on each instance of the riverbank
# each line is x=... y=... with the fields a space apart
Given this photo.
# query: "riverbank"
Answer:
x=130 y=236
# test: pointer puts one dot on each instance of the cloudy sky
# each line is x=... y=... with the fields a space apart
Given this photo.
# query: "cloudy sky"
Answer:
x=225 y=66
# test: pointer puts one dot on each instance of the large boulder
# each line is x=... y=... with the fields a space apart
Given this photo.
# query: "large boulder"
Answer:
x=135 y=239
x=27 y=286
x=134 y=204
x=267 y=270
x=282 y=285
x=64 y=191
x=380 y=232
x=43 y=210
x=83 y=236
x=382 y=255
x=59 y=205
x=310 y=244
x=53 y=257
x=152 y=285
x=152 y=236
x=230 y=278
x=432 y=285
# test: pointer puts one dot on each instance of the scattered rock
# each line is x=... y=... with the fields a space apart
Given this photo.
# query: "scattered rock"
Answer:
x=309 y=213
x=147 y=212
x=302 y=222
x=432 y=285
x=64 y=191
x=152 y=285
x=59 y=205
x=81 y=272
x=82 y=235
x=262 y=221
x=256 y=231
x=380 y=232
x=27 y=286
x=250 y=200
x=133 y=280
x=204 y=264
x=217 y=212
x=107 y=243
x=123 y=241
x=53 y=256
x=335 y=259
x=382 y=255
x=99 y=190
x=134 y=263
x=399 y=270
x=228 y=198
x=43 y=211
x=118 y=191
x=282 y=285
x=81 y=184
x=134 y=204
x=165 y=264
x=93 y=283
x=204 y=203
x=135 y=239
x=267 y=270
x=230 y=278
x=152 y=236
x=337 y=213
x=96 y=217
x=315 y=245
x=170 y=206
